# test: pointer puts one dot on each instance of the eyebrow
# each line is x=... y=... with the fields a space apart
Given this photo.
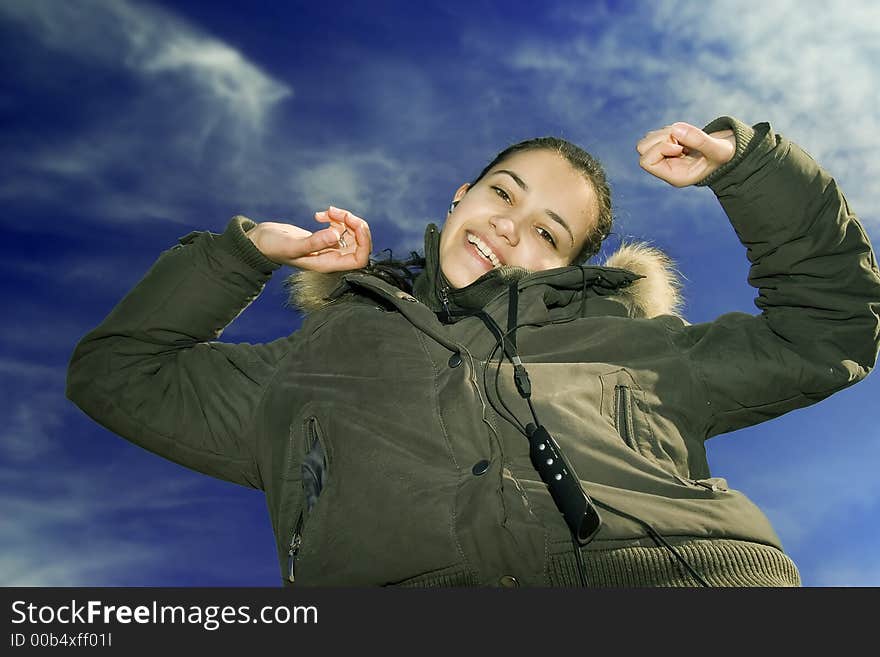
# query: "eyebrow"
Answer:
x=555 y=217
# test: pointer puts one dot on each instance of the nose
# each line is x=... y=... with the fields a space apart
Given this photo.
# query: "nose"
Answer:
x=505 y=227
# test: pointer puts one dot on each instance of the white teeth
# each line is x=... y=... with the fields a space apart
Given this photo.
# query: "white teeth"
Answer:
x=484 y=249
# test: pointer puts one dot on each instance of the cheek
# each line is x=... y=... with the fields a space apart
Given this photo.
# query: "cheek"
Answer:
x=446 y=240
x=450 y=259
x=449 y=231
x=536 y=258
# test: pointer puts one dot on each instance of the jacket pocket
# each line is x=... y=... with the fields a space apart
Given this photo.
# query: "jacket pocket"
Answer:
x=624 y=403
x=314 y=476
x=623 y=415
x=635 y=417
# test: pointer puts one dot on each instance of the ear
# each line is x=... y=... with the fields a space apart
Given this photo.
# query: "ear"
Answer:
x=461 y=191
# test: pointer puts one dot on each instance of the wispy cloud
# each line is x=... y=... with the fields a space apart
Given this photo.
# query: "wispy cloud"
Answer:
x=812 y=472
x=71 y=521
x=848 y=572
x=32 y=407
x=201 y=100
x=74 y=515
x=62 y=527
x=805 y=497
x=814 y=80
x=50 y=501
x=29 y=423
x=153 y=43
x=202 y=127
x=370 y=183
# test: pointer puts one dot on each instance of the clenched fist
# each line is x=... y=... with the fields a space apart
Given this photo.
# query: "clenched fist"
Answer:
x=682 y=154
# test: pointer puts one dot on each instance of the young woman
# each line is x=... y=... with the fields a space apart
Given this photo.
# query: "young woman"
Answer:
x=501 y=414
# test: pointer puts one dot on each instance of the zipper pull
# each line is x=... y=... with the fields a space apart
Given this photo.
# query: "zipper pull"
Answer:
x=295 y=544
x=444 y=299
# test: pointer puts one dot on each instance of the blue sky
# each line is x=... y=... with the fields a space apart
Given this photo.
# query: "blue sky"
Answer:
x=129 y=124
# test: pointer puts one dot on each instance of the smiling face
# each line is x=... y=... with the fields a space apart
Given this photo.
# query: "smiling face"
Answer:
x=532 y=209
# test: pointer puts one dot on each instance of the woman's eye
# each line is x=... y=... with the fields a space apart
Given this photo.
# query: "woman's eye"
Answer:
x=502 y=194
x=544 y=233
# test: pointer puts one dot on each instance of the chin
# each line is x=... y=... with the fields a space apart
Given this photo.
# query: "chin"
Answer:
x=459 y=278
x=458 y=273
x=462 y=259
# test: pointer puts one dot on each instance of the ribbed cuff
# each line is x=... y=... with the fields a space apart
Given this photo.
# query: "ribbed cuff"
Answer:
x=237 y=242
x=745 y=141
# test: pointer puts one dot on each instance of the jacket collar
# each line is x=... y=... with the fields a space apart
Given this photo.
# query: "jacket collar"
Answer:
x=638 y=275
x=433 y=290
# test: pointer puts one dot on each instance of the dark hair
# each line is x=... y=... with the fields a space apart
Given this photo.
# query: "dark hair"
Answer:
x=398 y=272
x=582 y=161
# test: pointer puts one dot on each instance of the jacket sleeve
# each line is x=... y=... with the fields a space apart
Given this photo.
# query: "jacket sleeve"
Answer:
x=152 y=373
x=817 y=280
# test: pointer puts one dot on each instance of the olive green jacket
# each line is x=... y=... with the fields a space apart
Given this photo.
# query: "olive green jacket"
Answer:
x=378 y=432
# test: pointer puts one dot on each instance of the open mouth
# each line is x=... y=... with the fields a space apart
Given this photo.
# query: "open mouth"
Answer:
x=483 y=249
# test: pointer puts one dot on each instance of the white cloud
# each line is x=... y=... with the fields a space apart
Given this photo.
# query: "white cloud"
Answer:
x=813 y=479
x=813 y=78
x=196 y=113
x=24 y=369
x=68 y=524
x=334 y=183
x=848 y=572
x=197 y=130
x=74 y=520
x=32 y=412
x=152 y=42
x=805 y=500
x=102 y=564
x=370 y=184
x=29 y=423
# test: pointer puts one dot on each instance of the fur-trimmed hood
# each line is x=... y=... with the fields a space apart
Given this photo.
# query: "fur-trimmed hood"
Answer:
x=657 y=292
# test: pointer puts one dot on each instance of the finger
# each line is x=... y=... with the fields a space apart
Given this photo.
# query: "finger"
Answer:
x=341 y=214
x=361 y=245
x=351 y=221
x=658 y=153
x=646 y=144
x=344 y=218
x=364 y=243
x=340 y=227
x=652 y=138
x=354 y=223
x=324 y=216
x=695 y=139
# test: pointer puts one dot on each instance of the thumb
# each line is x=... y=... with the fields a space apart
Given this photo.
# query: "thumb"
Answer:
x=317 y=241
x=693 y=138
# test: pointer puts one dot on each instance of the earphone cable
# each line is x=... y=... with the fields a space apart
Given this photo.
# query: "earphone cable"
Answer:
x=526 y=394
x=657 y=538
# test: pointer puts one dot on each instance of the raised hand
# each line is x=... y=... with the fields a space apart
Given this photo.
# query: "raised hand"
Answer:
x=345 y=244
x=682 y=154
